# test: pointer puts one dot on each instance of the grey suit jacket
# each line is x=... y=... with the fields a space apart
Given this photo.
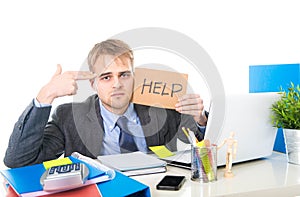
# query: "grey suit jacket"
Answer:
x=79 y=127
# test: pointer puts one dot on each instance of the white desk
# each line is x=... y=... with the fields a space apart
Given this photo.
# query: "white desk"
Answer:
x=272 y=176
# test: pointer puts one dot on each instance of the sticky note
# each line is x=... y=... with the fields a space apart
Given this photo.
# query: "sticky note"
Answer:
x=57 y=162
x=161 y=151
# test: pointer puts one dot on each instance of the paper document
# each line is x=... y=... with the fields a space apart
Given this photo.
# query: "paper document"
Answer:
x=180 y=159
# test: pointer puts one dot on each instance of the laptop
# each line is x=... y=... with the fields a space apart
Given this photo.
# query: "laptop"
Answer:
x=248 y=116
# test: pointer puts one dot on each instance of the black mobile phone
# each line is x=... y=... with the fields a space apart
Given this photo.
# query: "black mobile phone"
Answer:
x=170 y=182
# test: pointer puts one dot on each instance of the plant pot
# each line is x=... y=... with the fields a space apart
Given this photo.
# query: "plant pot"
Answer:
x=292 y=143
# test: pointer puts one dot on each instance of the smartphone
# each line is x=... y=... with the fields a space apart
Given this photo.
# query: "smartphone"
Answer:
x=170 y=182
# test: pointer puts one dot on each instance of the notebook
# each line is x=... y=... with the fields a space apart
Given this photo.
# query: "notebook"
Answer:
x=248 y=116
x=134 y=163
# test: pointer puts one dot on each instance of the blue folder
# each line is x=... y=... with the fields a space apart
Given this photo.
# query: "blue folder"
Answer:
x=122 y=186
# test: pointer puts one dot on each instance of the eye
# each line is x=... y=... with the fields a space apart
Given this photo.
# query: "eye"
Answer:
x=126 y=74
x=105 y=78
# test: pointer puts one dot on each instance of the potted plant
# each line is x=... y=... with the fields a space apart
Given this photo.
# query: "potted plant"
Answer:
x=286 y=115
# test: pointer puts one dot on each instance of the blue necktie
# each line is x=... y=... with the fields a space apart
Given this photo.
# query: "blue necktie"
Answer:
x=126 y=140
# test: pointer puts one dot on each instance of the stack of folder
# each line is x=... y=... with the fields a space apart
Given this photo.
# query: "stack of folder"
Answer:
x=25 y=181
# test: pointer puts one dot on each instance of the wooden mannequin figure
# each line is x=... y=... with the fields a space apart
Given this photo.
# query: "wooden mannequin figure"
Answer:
x=230 y=153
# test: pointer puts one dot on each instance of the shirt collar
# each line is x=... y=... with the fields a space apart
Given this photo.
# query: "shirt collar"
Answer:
x=110 y=118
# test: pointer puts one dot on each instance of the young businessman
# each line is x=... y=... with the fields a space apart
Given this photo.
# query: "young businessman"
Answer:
x=92 y=127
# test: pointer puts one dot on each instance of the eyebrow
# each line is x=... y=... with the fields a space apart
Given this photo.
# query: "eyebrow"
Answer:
x=109 y=73
x=103 y=74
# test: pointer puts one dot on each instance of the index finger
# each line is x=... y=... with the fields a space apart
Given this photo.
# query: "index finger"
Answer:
x=188 y=96
x=83 y=75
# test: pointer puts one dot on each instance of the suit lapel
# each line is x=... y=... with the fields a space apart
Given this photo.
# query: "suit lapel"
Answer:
x=90 y=126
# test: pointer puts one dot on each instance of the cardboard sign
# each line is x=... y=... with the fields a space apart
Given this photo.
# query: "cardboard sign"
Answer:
x=158 y=88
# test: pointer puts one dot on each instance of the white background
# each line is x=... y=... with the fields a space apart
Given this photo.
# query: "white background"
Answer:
x=36 y=35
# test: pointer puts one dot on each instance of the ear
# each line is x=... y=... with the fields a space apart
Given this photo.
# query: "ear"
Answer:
x=93 y=84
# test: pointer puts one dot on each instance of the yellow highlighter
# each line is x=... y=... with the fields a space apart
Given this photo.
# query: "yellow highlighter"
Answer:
x=206 y=158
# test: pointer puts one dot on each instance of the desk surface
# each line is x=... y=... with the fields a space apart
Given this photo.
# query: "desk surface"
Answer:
x=271 y=176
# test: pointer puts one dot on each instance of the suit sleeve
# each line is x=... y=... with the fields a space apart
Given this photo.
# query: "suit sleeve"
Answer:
x=188 y=121
x=33 y=140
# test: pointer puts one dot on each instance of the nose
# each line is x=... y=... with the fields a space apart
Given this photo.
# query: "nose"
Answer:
x=117 y=82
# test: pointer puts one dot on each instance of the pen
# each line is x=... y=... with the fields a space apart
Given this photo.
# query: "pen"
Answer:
x=193 y=134
x=187 y=135
x=193 y=138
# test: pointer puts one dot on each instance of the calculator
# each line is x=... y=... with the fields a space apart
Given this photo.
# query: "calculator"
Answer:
x=64 y=177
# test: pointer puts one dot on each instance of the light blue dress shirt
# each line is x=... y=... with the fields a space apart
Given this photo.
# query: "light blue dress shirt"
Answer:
x=112 y=132
x=40 y=105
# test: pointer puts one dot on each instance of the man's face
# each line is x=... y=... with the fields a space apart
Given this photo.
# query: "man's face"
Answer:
x=115 y=83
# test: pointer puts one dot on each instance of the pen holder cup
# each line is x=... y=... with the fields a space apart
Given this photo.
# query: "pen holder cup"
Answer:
x=204 y=164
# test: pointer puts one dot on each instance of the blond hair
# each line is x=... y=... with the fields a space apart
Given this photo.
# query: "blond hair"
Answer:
x=111 y=47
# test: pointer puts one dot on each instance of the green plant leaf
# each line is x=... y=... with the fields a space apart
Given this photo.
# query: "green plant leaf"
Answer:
x=286 y=110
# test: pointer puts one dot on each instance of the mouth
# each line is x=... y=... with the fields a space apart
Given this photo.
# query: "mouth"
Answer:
x=117 y=94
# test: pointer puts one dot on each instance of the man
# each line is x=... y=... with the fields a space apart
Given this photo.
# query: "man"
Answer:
x=92 y=127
